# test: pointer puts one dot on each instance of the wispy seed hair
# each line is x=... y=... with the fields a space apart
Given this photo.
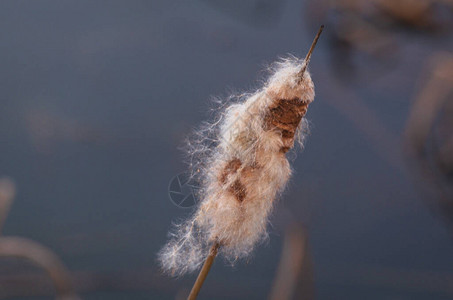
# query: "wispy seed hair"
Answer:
x=240 y=163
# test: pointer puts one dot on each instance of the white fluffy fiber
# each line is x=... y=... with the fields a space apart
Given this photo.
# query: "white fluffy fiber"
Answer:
x=241 y=169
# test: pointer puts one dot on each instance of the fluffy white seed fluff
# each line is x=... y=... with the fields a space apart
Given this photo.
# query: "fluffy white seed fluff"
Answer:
x=241 y=164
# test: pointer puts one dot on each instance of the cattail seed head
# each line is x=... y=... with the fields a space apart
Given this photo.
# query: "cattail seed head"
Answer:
x=240 y=160
x=242 y=170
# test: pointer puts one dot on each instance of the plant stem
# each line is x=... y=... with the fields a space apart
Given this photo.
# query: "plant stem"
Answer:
x=204 y=272
x=308 y=56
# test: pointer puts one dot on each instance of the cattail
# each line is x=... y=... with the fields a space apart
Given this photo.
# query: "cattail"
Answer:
x=242 y=165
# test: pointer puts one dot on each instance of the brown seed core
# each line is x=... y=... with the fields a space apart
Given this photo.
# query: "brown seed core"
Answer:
x=285 y=117
x=236 y=188
x=231 y=167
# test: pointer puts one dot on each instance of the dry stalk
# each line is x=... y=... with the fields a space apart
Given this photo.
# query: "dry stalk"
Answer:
x=291 y=263
x=429 y=150
x=7 y=192
x=204 y=272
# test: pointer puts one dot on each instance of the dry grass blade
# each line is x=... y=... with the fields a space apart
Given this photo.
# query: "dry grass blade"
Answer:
x=42 y=257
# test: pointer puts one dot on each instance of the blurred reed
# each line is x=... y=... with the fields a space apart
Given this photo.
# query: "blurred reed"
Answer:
x=39 y=255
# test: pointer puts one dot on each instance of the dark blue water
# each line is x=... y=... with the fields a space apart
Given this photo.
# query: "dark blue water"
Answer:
x=97 y=96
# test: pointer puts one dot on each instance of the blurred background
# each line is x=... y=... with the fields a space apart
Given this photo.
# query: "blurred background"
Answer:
x=97 y=97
